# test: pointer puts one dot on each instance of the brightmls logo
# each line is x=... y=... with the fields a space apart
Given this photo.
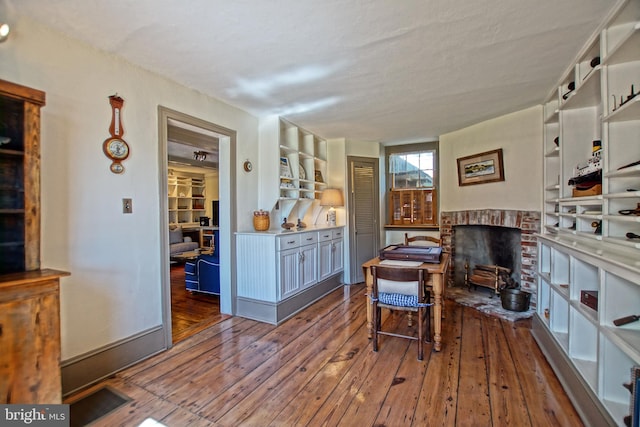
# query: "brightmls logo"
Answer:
x=34 y=415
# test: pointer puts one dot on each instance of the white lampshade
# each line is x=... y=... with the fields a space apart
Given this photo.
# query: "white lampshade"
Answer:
x=331 y=197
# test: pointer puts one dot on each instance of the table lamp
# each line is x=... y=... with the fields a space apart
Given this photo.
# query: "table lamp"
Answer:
x=331 y=197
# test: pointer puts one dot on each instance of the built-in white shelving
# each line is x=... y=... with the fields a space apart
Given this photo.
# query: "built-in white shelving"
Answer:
x=585 y=248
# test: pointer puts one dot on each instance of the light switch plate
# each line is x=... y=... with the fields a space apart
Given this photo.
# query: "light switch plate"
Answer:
x=127 y=206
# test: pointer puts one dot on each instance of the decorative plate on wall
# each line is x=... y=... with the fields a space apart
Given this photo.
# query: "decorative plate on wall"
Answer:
x=302 y=174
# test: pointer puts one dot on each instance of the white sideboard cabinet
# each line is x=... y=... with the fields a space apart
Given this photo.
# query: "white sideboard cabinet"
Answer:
x=589 y=251
x=282 y=272
x=330 y=252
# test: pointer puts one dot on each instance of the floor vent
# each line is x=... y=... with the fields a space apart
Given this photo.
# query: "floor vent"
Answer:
x=95 y=405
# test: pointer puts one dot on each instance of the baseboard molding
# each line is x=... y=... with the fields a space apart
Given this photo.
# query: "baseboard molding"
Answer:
x=89 y=368
x=583 y=398
x=276 y=313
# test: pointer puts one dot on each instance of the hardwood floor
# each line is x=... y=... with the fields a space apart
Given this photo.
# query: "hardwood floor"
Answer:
x=318 y=368
x=191 y=312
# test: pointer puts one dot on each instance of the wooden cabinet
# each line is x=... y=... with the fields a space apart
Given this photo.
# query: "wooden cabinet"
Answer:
x=186 y=198
x=587 y=251
x=298 y=266
x=30 y=337
x=29 y=297
x=281 y=273
x=19 y=177
x=413 y=207
x=330 y=252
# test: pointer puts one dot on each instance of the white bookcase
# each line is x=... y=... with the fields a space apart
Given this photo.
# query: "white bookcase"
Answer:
x=293 y=188
x=186 y=198
x=592 y=357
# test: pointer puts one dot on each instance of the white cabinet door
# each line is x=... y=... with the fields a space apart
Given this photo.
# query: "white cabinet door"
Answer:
x=289 y=272
x=337 y=255
x=325 y=259
x=308 y=265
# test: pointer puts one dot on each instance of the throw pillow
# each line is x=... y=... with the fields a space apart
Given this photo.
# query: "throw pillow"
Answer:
x=175 y=235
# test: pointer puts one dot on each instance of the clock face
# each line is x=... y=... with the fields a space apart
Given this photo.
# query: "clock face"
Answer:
x=116 y=168
x=117 y=149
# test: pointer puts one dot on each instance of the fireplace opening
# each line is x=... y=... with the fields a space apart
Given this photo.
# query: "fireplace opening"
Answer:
x=486 y=245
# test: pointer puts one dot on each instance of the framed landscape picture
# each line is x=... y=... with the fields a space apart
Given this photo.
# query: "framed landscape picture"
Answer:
x=481 y=168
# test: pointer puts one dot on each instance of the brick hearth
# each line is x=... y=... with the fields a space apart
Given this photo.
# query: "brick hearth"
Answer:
x=527 y=221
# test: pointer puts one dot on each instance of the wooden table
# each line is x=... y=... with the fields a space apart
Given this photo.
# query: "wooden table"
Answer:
x=437 y=272
x=190 y=255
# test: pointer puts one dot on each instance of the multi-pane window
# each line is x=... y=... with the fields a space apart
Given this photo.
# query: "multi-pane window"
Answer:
x=412 y=181
x=412 y=170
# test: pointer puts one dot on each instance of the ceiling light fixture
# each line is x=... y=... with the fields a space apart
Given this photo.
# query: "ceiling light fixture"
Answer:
x=4 y=32
x=200 y=156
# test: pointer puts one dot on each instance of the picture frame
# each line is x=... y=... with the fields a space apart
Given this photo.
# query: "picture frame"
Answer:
x=285 y=169
x=481 y=168
x=318 y=176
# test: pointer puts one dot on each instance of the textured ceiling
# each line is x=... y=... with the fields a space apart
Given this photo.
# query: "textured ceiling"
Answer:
x=386 y=70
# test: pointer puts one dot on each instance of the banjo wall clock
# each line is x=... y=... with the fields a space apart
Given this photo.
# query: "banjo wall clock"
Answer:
x=115 y=147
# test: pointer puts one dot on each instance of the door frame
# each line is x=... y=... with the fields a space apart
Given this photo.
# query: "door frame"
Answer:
x=354 y=267
x=226 y=190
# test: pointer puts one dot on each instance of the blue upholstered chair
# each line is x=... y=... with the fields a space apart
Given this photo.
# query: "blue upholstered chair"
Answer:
x=203 y=273
x=400 y=289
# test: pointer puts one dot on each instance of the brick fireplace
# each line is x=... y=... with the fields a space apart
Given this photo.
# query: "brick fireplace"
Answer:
x=528 y=222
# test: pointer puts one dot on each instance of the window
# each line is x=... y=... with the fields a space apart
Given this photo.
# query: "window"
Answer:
x=412 y=177
x=412 y=170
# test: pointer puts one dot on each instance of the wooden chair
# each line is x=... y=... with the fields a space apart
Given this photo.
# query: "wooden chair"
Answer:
x=402 y=289
x=438 y=242
x=408 y=240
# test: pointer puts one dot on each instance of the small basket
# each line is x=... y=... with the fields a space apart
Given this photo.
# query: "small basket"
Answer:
x=261 y=222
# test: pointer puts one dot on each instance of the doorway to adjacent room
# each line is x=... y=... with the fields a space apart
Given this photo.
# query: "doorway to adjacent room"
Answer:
x=197 y=181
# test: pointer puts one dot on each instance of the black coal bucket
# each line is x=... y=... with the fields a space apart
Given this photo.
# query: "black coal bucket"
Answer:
x=515 y=299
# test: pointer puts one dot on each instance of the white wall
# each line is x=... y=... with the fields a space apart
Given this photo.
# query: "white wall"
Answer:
x=114 y=290
x=114 y=259
x=519 y=134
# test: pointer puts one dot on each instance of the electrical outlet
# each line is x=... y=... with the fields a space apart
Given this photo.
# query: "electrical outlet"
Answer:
x=127 y=206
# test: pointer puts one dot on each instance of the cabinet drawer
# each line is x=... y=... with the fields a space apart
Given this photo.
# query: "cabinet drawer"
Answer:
x=337 y=233
x=324 y=236
x=308 y=238
x=288 y=242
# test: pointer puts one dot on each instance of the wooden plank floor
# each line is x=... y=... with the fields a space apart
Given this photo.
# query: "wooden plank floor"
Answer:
x=191 y=312
x=318 y=369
